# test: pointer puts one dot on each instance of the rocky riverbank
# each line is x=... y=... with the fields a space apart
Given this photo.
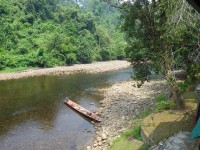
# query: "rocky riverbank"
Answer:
x=121 y=104
x=178 y=141
x=88 y=68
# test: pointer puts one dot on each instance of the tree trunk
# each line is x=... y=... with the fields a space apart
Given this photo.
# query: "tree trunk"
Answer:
x=170 y=76
x=176 y=95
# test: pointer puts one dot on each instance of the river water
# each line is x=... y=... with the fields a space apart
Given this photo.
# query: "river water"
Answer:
x=34 y=117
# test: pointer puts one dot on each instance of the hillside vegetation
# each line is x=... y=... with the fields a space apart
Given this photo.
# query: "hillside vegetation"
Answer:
x=45 y=33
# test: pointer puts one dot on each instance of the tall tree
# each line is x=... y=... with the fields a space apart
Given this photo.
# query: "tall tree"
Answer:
x=159 y=42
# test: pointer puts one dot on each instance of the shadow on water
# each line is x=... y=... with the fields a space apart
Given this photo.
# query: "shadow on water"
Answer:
x=33 y=108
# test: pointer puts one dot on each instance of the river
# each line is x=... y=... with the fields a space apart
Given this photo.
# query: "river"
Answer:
x=33 y=115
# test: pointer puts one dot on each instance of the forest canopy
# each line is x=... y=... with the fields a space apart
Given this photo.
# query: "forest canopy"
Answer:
x=45 y=33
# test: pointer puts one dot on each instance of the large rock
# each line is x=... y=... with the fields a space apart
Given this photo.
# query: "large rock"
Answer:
x=159 y=126
x=88 y=147
x=178 y=141
x=99 y=139
x=104 y=136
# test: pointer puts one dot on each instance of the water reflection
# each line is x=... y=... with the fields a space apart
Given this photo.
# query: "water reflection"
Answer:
x=33 y=116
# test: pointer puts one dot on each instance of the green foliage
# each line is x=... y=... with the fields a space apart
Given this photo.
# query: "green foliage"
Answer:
x=162 y=103
x=105 y=55
x=161 y=97
x=71 y=58
x=41 y=60
x=151 y=43
x=165 y=105
x=162 y=37
x=126 y=142
x=84 y=55
x=46 y=33
x=136 y=133
x=86 y=48
x=145 y=113
x=183 y=86
x=144 y=147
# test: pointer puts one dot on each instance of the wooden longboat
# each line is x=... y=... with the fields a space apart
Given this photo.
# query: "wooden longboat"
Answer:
x=82 y=110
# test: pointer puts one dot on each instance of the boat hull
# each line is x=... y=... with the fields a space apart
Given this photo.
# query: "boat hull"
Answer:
x=82 y=110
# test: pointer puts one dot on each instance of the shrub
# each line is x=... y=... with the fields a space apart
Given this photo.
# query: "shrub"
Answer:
x=105 y=55
x=71 y=58
x=165 y=105
x=161 y=97
x=84 y=55
x=136 y=133
x=182 y=86
x=162 y=103
x=2 y=62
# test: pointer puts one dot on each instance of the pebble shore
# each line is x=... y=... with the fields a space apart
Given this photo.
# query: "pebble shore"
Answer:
x=95 y=67
x=121 y=104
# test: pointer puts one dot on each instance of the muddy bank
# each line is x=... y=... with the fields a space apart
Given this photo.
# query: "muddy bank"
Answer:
x=87 y=68
x=121 y=104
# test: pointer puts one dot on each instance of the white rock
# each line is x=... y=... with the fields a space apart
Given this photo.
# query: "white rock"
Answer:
x=104 y=136
x=88 y=148
x=107 y=133
x=99 y=139
x=100 y=144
